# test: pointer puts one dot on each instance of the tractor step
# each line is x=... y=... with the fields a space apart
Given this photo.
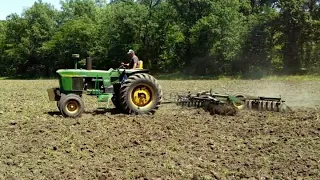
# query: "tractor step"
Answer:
x=104 y=97
x=94 y=91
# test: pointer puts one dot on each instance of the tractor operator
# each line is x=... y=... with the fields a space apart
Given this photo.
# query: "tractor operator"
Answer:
x=134 y=63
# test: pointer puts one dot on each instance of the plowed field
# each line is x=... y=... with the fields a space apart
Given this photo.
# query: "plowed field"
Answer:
x=176 y=143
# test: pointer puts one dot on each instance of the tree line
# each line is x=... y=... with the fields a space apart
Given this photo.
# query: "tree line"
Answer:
x=194 y=37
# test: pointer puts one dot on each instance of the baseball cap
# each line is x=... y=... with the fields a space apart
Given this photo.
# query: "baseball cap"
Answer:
x=130 y=51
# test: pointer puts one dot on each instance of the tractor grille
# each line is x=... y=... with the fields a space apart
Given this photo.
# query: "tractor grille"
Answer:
x=77 y=84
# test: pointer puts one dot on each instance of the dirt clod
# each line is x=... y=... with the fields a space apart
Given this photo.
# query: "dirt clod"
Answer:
x=222 y=109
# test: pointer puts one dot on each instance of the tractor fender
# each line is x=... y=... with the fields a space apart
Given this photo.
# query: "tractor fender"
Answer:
x=135 y=71
x=126 y=73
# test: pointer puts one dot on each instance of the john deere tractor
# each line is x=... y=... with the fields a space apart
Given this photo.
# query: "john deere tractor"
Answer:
x=132 y=91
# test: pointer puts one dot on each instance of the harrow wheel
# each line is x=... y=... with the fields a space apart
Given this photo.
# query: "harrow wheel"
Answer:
x=140 y=94
x=71 y=105
x=241 y=105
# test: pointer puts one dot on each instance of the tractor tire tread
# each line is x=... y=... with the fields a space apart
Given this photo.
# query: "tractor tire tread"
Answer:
x=66 y=98
x=127 y=84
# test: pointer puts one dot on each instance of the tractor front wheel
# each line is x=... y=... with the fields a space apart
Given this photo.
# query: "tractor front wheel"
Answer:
x=71 y=105
x=140 y=94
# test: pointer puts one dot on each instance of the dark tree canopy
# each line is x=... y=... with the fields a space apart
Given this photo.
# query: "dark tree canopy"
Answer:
x=194 y=37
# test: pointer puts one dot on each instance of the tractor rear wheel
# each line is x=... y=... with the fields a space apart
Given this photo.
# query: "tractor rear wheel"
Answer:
x=71 y=105
x=140 y=94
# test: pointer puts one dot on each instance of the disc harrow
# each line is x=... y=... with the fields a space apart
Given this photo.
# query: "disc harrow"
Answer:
x=208 y=101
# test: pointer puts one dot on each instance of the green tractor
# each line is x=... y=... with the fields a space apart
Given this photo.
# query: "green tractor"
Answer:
x=132 y=91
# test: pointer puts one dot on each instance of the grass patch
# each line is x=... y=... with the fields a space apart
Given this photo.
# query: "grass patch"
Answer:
x=293 y=78
x=188 y=77
x=271 y=77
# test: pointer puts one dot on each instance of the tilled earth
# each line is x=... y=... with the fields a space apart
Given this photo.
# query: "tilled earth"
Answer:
x=176 y=143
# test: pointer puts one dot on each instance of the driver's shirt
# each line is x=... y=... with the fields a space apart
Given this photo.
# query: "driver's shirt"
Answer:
x=134 y=60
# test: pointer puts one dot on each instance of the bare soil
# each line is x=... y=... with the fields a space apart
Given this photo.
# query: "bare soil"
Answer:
x=176 y=143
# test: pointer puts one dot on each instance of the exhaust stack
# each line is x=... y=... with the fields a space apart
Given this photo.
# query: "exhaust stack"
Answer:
x=76 y=58
x=89 y=63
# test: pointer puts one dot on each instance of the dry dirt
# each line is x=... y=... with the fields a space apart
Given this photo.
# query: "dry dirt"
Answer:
x=176 y=143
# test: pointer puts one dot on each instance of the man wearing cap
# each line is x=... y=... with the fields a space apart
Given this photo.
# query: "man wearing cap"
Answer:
x=134 y=63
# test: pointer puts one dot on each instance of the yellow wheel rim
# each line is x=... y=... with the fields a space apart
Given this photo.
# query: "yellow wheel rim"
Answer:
x=72 y=107
x=142 y=95
x=239 y=105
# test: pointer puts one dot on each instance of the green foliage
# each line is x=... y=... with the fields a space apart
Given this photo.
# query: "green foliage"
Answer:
x=116 y=38
x=74 y=37
x=216 y=38
x=192 y=37
x=78 y=8
x=2 y=46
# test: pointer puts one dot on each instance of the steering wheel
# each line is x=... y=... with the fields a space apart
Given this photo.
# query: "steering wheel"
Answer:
x=122 y=67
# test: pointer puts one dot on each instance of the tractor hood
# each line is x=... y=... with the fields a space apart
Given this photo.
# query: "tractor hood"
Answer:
x=79 y=72
x=93 y=73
